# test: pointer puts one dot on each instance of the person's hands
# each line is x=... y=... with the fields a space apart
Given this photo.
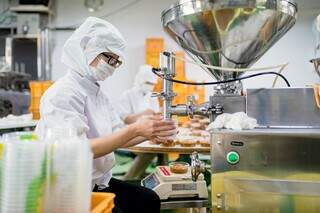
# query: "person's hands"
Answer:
x=134 y=117
x=153 y=125
x=148 y=112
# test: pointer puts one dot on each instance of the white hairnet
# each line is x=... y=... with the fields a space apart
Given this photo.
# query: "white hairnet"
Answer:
x=93 y=37
x=144 y=75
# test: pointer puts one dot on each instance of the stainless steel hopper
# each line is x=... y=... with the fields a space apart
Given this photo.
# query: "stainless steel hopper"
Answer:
x=228 y=33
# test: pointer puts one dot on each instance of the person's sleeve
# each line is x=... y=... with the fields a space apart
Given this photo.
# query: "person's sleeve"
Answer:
x=155 y=104
x=117 y=122
x=122 y=106
x=66 y=109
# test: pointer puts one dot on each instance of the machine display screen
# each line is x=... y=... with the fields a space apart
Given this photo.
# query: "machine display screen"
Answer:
x=151 y=181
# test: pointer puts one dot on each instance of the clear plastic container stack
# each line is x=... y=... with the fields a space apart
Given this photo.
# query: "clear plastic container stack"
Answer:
x=50 y=175
x=23 y=175
x=69 y=185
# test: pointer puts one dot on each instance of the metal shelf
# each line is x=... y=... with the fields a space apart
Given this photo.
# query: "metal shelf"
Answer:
x=28 y=36
x=15 y=125
x=30 y=8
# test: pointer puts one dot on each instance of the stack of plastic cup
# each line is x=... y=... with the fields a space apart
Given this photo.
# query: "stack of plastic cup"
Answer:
x=51 y=175
x=23 y=175
x=69 y=185
x=22 y=135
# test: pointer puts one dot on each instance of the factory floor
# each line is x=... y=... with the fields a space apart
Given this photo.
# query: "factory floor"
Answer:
x=124 y=162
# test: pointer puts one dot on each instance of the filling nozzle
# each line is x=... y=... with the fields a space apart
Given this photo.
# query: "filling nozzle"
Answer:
x=167 y=68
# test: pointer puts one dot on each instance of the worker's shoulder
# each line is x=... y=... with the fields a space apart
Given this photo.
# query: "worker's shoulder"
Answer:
x=64 y=88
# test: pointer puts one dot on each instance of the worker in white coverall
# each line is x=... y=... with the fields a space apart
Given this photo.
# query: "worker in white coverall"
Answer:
x=93 y=53
x=133 y=102
x=138 y=99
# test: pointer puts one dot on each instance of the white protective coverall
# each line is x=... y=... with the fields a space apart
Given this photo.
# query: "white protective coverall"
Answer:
x=76 y=99
x=138 y=98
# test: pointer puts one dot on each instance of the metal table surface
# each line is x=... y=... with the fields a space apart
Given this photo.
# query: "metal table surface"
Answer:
x=296 y=132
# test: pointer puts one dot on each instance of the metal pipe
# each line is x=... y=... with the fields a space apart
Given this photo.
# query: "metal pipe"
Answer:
x=180 y=110
x=39 y=53
x=47 y=55
x=167 y=65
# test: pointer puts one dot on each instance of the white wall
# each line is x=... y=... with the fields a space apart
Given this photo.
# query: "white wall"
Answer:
x=297 y=48
x=136 y=24
x=142 y=20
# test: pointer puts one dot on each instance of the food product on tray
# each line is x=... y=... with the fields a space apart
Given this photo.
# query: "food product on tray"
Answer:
x=186 y=125
x=205 y=142
x=195 y=125
x=187 y=141
x=179 y=167
x=205 y=121
x=197 y=122
x=196 y=132
x=185 y=138
x=167 y=142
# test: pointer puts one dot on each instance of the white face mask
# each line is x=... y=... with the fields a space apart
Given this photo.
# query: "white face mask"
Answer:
x=102 y=71
x=147 y=88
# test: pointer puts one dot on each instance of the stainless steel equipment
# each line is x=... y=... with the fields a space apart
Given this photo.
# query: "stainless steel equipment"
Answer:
x=271 y=169
x=283 y=108
x=197 y=166
x=25 y=41
x=266 y=170
x=14 y=93
x=232 y=34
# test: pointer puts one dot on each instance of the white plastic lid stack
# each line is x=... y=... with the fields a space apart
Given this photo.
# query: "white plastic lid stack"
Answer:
x=23 y=166
x=69 y=183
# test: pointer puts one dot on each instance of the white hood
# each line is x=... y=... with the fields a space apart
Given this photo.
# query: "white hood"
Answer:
x=93 y=37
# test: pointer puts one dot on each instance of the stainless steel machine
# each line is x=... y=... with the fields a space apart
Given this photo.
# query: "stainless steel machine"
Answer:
x=14 y=93
x=273 y=168
x=267 y=170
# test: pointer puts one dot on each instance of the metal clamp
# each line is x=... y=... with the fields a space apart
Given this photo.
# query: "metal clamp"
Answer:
x=190 y=105
x=217 y=109
x=156 y=94
x=197 y=166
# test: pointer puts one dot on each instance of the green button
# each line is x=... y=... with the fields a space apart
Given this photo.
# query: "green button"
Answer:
x=233 y=157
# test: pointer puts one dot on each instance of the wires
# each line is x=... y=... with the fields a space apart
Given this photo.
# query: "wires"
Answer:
x=155 y=71
x=225 y=69
x=276 y=78
x=228 y=69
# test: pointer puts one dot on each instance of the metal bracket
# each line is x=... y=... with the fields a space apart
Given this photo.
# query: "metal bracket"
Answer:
x=197 y=166
x=190 y=105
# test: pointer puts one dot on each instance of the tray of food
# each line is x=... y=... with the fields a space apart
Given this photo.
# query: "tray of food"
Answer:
x=191 y=136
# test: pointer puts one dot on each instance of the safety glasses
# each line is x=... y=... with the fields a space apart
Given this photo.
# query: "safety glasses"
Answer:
x=111 y=60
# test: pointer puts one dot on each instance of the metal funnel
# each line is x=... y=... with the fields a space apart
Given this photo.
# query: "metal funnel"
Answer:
x=228 y=33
